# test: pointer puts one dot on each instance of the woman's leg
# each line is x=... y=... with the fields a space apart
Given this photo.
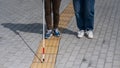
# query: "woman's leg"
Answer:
x=56 y=16
x=48 y=14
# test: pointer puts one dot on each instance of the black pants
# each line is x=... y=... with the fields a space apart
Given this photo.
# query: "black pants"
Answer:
x=52 y=6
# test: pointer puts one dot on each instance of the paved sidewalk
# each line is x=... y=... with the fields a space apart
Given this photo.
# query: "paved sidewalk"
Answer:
x=101 y=52
x=24 y=16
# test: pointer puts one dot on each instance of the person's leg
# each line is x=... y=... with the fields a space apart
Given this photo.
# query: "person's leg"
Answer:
x=78 y=8
x=89 y=14
x=48 y=19
x=89 y=17
x=56 y=16
x=48 y=14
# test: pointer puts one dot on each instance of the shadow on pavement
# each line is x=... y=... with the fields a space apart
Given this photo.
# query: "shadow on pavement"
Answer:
x=32 y=28
x=67 y=31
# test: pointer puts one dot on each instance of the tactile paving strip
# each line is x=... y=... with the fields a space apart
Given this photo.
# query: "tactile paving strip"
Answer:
x=52 y=44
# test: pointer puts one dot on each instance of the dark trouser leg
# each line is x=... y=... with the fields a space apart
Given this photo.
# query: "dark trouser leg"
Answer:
x=48 y=14
x=56 y=6
x=78 y=8
x=89 y=14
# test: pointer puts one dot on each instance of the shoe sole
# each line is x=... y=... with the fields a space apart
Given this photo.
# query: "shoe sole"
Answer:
x=80 y=36
x=89 y=38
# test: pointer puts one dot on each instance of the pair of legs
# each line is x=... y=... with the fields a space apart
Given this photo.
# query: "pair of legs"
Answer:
x=84 y=12
x=52 y=6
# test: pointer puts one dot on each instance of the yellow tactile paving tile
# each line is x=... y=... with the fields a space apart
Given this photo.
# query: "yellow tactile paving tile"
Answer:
x=52 y=44
x=49 y=58
x=52 y=50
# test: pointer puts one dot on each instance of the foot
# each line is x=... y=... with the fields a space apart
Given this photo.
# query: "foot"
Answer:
x=56 y=32
x=81 y=33
x=89 y=34
x=48 y=34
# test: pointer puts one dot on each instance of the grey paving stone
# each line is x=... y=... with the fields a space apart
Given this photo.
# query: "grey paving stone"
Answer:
x=69 y=65
x=59 y=66
x=108 y=65
x=84 y=65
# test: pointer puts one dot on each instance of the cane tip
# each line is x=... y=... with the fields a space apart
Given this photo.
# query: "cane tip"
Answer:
x=42 y=60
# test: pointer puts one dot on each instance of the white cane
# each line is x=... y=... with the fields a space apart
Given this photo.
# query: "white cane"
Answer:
x=43 y=49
